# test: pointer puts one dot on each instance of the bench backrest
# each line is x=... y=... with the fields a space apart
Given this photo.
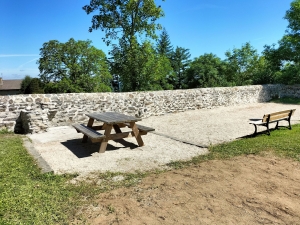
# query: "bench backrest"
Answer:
x=278 y=115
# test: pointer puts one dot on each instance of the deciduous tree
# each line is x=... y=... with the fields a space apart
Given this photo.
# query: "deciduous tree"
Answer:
x=241 y=64
x=206 y=71
x=76 y=63
x=129 y=22
x=140 y=68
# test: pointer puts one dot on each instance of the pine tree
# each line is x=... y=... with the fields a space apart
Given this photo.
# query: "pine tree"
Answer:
x=180 y=61
x=164 y=46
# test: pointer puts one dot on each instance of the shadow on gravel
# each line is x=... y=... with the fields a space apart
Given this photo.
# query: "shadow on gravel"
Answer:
x=83 y=150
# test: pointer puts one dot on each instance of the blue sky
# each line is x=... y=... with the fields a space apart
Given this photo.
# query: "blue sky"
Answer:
x=202 y=26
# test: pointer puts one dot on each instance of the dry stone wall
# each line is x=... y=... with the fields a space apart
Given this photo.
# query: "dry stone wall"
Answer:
x=37 y=112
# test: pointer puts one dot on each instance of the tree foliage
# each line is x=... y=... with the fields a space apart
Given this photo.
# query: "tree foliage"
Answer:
x=25 y=85
x=31 y=85
x=124 y=18
x=133 y=61
x=284 y=58
x=206 y=71
x=241 y=64
x=74 y=66
x=164 y=46
x=140 y=68
x=180 y=60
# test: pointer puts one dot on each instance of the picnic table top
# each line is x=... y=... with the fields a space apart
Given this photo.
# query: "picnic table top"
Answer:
x=112 y=117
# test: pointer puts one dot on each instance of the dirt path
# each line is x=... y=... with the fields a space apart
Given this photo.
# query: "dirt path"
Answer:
x=244 y=190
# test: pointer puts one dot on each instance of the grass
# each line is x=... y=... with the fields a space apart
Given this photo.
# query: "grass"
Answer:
x=29 y=197
x=286 y=100
x=282 y=142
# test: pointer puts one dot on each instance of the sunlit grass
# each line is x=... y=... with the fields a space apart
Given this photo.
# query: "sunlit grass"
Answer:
x=29 y=197
x=282 y=142
x=286 y=100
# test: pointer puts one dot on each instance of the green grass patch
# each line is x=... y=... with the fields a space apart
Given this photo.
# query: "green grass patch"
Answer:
x=29 y=197
x=282 y=142
x=287 y=100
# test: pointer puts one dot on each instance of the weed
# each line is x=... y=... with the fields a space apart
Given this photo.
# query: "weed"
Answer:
x=111 y=209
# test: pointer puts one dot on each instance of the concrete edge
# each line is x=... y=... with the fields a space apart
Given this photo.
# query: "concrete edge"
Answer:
x=42 y=164
x=180 y=140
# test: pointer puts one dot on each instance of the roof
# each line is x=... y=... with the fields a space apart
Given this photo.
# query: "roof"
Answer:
x=11 y=85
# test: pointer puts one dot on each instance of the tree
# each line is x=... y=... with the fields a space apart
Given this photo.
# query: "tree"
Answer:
x=164 y=46
x=264 y=72
x=140 y=68
x=180 y=60
x=31 y=85
x=284 y=58
x=76 y=63
x=124 y=18
x=129 y=21
x=290 y=74
x=35 y=86
x=206 y=71
x=241 y=64
x=25 y=85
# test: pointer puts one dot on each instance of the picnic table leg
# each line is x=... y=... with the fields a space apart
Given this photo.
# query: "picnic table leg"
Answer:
x=108 y=128
x=90 y=124
x=136 y=133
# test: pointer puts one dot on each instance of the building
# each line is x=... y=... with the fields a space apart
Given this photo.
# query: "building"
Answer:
x=10 y=87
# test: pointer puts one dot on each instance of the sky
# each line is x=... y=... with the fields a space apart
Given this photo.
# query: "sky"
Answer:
x=202 y=26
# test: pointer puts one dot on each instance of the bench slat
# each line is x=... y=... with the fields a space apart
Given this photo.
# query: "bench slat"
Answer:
x=91 y=133
x=278 y=115
x=142 y=128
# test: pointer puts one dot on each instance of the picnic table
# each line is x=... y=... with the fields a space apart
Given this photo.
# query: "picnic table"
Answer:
x=111 y=120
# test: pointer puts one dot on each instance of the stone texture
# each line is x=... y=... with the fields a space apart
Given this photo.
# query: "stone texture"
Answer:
x=35 y=113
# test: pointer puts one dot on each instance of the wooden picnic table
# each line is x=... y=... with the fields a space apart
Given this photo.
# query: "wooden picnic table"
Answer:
x=111 y=120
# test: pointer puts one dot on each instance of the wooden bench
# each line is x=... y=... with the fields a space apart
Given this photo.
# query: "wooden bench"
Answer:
x=272 y=118
x=142 y=129
x=89 y=132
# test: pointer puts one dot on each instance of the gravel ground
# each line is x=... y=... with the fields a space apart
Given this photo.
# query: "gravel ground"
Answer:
x=178 y=136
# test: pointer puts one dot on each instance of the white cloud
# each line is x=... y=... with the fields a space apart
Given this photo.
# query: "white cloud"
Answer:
x=18 y=55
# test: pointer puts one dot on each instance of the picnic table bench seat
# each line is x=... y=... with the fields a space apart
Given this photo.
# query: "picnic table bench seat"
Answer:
x=142 y=127
x=91 y=133
x=273 y=118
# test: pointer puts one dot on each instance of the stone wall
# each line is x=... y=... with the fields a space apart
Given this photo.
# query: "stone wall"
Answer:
x=37 y=112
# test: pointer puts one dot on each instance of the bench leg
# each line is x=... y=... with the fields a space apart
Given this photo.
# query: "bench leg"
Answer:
x=255 y=130
x=289 y=120
x=90 y=124
x=108 y=128
x=268 y=130
x=276 y=127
